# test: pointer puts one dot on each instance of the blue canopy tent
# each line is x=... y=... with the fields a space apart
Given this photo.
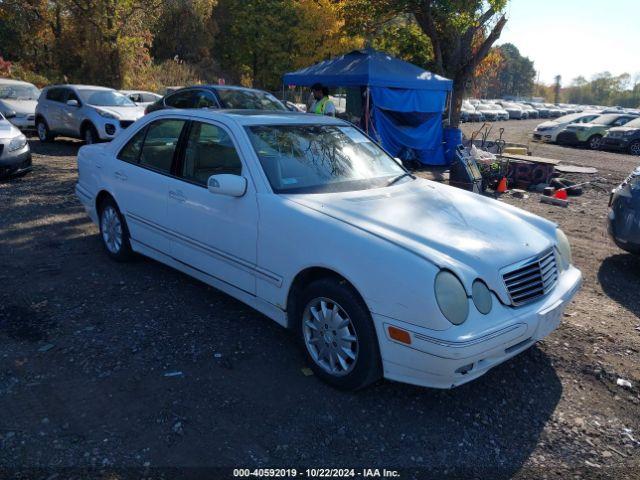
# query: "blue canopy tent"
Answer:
x=404 y=103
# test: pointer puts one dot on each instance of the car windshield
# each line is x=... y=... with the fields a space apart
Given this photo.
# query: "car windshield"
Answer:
x=322 y=158
x=633 y=123
x=572 y=117
x=105 y=98
x=248 y=100
x=18 y=92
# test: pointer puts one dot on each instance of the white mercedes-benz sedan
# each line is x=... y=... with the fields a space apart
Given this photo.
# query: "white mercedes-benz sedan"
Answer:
x=308 y=221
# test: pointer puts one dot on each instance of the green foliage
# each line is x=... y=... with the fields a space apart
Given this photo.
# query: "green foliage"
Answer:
x=515 y=74
x=604 y=89
x=407 y=41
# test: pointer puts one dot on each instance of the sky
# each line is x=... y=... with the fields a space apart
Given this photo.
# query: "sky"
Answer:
x=576 y=37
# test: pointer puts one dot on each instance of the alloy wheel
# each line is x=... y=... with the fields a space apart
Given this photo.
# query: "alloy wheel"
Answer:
x=594 y=142
x=111 y=229
x=634 y=149
x=330 y=336
x=42 y=131
x=88 y=137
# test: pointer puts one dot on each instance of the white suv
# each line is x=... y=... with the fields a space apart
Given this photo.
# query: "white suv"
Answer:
x=82 y=111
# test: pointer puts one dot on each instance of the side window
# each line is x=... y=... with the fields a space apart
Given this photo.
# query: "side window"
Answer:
x=184 y=99
x=131 y=151
x=209 y=151
x=620 y=121
x=160 y=144
x=71 y=95
x=55 y=94
x=204 y=99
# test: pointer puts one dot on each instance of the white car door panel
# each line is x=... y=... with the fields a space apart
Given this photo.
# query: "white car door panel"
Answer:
x=141 y=177
x=213 y=233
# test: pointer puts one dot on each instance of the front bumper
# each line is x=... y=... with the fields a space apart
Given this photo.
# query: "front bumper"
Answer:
x=432 y=360
x=16 y=162
x=623 y=222
x=545 y=135
x=615 y=143
x=568 y=138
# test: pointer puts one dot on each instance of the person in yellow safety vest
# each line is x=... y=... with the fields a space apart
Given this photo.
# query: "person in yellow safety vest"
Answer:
x=322 y=104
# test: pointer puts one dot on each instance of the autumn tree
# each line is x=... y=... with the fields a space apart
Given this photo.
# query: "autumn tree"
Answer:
x=452 y=27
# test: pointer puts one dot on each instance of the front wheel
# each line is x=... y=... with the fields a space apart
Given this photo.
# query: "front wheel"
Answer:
x=340 y=341
x=594 y=142
x=634 y=148
x=90 y=135
x=114 y=232
x=44 y=134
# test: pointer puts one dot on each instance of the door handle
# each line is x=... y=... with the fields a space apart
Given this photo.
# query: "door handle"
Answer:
x=177 y=195
x=121 y=176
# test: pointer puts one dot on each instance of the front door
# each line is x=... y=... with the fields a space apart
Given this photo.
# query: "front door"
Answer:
x=141 y=179
x=70 y=116
x=213 y=233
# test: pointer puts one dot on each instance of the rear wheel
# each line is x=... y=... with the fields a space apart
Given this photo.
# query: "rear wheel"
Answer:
x=594 y=142
x=338 y=335
x=634 y=148
x=114 y=232
x=44 y=134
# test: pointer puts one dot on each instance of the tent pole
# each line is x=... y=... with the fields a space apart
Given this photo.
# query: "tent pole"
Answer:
x=450 y=99
x=366 y=110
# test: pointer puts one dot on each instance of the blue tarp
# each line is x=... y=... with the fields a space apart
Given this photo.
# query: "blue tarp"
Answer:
x=406 y=101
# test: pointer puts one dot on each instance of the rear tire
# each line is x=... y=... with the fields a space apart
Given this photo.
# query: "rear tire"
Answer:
x=114 y=232
x=337 y=334
x=634 y=148
x=44 y=134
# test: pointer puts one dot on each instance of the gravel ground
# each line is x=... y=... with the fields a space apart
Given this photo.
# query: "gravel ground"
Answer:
x=137 y=369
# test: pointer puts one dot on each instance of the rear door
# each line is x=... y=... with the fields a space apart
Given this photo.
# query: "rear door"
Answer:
x=141 y=177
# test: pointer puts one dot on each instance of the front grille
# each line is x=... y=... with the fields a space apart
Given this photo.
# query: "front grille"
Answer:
x=125 y=123
x=531 y=279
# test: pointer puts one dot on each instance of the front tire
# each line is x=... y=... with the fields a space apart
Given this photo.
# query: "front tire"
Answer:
x=90 y=135
x=634 y=148
x=114 y=232
x=338 y=335
x=594 y=142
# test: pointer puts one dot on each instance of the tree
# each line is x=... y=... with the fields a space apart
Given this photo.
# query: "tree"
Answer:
x=406 y=40
x=453 y=27
x=515 y=75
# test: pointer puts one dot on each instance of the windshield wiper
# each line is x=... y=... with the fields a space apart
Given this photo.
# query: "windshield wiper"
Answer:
x=400 y=177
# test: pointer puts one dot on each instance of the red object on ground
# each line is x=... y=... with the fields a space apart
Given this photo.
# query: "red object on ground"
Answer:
x=502 y=186
x=561 y=194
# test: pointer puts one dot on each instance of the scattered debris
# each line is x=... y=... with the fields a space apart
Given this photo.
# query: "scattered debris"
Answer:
x=517 y=193
x=576 y=169
x=554 y=201
x=46 y=348
x=624 y=383
x=173 y=374
x=307 y=372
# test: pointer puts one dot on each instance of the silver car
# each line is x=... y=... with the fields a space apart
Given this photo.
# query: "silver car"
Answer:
x=18 y=102
x=15 y=155
x=82 y=111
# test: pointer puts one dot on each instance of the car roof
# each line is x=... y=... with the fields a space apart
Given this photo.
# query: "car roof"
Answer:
x=257 y=117
x=223 y=87
x=11 y=81
x=80 y=87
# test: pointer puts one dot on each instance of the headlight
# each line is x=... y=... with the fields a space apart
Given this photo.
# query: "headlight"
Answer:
x=9 y=114
x=482 y=297
x=17 y=143
x=564 y=248
x=106 y=114
x=451 y=297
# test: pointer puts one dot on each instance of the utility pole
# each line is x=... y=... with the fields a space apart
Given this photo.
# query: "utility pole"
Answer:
x=557 y=89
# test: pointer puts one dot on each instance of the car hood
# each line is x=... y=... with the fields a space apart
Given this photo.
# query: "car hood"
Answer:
x=7 y=130
x=124 y=113
x=623 y=129
x=21 y=107
x=452 y=228
x=548 y=124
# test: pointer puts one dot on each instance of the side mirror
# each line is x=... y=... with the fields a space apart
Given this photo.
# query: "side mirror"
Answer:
x=227 y=184
x=73 y=103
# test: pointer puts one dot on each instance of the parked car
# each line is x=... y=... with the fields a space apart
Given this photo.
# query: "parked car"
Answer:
x=218 y=96
x=625 y=138
x=18 y=102
x=83 y=111
x=141 y=97
x=590 y=134
x=624 y=214
x=543 y=112
x=15 y=154
x=531 y=112
x=492 y=112
x=256 y=203
x=470 y=112
x=515 y=111
x=548 y=131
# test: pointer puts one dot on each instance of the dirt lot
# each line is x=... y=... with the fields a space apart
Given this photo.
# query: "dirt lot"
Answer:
x=136 y=368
